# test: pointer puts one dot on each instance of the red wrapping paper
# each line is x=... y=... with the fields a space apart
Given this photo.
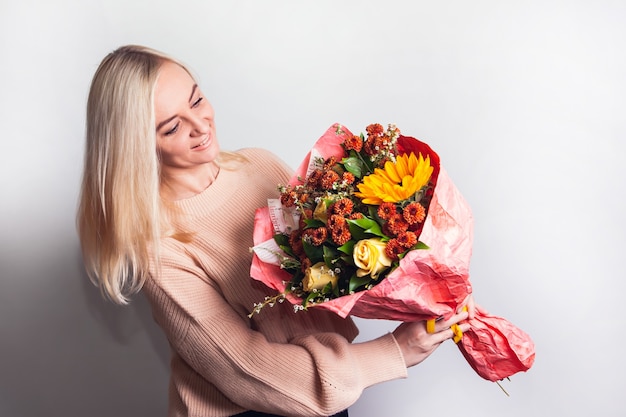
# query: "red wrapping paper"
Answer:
x=428 y=284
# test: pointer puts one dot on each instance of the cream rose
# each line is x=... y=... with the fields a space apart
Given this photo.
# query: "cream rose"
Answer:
x=370 y=257
x=317 y=276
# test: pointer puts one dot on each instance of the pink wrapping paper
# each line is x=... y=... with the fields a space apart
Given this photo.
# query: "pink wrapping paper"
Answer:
x=428 y=283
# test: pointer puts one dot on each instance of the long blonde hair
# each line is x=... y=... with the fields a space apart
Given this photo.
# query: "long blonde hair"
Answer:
x=120 y=217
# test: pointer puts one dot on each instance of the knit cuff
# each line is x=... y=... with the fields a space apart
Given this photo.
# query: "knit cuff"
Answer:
x=382 y=358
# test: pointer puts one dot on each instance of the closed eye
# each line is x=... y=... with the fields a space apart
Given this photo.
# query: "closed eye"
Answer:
x=197 y=102
x=172 y=130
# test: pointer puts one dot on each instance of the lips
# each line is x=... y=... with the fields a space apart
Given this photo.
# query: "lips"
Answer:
x=204 y=142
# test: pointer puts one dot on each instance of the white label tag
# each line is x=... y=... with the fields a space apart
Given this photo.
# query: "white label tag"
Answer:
x=283 y=219
x=269 y=252
x=315 y=156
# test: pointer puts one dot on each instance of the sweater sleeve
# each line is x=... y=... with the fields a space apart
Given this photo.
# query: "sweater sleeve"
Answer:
x=314 y=374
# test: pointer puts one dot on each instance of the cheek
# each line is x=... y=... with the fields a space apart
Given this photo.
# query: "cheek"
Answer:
x=215 y=145
x=168 y=149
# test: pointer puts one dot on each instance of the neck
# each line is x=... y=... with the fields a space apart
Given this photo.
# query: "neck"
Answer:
x=178 y=185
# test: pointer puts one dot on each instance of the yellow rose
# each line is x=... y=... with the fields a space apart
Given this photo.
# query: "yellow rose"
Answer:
x=317 y=276
x=370 y=257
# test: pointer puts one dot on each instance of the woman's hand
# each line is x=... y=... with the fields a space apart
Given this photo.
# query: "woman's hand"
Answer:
x=471 y=306
x=417 y=344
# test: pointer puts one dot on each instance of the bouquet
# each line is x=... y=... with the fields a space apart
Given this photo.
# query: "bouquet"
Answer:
x=371 y=225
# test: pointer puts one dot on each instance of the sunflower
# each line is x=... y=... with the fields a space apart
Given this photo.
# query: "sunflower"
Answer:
x=397 y=181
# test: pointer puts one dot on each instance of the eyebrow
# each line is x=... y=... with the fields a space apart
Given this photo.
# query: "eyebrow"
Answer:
x=193 y=90
x=166 y=121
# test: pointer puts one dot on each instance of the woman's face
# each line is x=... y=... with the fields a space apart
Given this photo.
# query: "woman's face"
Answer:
x=184 y=121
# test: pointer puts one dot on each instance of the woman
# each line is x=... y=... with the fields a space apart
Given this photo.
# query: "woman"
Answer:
x=164 y=210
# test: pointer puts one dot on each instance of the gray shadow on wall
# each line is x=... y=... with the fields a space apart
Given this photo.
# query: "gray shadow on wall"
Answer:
x=122 y=323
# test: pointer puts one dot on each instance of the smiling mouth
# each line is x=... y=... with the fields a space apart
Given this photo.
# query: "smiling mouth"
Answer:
x=204 y=142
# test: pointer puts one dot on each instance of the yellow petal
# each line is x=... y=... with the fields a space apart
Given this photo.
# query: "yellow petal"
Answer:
x=398 y=180
x=391 y=172
x=413 y=163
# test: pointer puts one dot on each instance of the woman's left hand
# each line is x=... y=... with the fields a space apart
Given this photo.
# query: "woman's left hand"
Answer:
x=470 y=305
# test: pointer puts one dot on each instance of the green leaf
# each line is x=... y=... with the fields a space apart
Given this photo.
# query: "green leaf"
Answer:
x=281 y=239
x=348 y=259
x=368 y=165
x=330 y=254
x=347 y=248
x=364 y=228
x=283 y=242
x=308 y=298
x=358 y=282
x=328 y=289
x=421 y=245
x=314 y=253
x=353 y=165
x=373 y=212
x=313 y=223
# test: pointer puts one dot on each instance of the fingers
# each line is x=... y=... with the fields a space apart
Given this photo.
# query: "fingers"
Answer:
x=417 y=340
x=443 y=335
x=442 y=330
x=441 y=325
x=469 y=305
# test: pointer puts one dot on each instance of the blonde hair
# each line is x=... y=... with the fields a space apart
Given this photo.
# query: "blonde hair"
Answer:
x=120 y=215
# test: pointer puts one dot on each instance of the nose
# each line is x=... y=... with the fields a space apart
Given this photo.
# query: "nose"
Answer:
x=199 y=125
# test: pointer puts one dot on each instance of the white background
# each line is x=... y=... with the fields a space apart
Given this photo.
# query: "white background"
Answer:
x=524 y=101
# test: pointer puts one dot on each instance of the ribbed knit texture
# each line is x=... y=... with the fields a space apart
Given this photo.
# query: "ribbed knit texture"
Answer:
x=224 y=363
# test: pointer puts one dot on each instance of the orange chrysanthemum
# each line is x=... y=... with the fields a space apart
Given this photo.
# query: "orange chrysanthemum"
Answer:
x=343 y=207
x=386 y=210
x=328 y=179
x=341 y=235
x=407 y=239
x=414 y=213
x=397 y=181
x=288 y=198
x=356 y=216
x=375 y=129
x=369 y=146
x=354 y=143
x=396 y=225
x=336 y=222
x=314 y=178
x=295 y=241
x=394 y=249
x=348 y=178
x=339 y=231
x=316 y=236
x=330 y=162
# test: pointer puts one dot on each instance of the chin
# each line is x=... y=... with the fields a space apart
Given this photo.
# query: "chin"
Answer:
x=212 y=153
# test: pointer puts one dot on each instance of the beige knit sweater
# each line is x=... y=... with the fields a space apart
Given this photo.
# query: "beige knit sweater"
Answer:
x=223 y=363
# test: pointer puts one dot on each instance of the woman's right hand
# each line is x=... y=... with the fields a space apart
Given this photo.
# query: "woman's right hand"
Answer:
x=417 y=344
